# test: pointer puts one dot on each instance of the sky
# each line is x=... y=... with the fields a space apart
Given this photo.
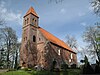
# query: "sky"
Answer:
x=69 y=17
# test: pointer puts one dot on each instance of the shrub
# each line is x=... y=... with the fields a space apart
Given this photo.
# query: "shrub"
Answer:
x=97 y=67
x=73 y=66
x=19 y=67
x=27 y=69
x=87 y=69
x=11 y=69
x=64 y=67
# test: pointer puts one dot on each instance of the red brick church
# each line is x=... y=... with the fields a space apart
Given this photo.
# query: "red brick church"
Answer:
x=39 y=47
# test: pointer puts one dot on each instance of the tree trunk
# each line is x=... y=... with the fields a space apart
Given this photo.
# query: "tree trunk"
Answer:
x=8 y=59
x=8 y=52
x=16 y=63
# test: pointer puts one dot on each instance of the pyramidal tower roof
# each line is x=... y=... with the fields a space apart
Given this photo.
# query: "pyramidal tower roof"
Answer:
x=31 y=11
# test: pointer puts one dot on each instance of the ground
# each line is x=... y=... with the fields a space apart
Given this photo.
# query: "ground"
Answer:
x=23 y=72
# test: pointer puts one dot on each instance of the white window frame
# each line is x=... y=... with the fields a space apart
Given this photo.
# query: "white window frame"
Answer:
x=58 y=51
x=71 y=55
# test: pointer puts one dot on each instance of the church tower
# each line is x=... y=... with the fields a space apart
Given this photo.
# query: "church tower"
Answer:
x=28 y=52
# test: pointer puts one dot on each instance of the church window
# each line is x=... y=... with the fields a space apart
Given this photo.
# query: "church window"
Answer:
x=39 y=39
x=26 y=38
x=69 y=60
x=34 y=38
x=33 y=21
x=27 y=20
x=59 y=52
x=71 y=56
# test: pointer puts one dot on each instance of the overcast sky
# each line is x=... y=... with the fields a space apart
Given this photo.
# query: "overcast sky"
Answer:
x=67 y=17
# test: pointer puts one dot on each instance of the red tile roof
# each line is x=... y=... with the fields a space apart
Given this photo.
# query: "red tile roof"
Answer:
x=31 y=11
x=54 y=39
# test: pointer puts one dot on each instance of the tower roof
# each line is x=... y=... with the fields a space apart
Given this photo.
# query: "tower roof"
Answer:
x=31 y=11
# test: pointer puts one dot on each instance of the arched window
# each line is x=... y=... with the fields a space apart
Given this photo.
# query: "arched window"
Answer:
x=34 y=38
x=59 y=52
x=27 y=20
x=71 y=56
x=26 y=38
x=33 y=21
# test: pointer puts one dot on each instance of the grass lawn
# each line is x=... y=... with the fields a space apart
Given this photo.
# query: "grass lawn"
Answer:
x=22 y=72
x=73 y=71
x=19 y=72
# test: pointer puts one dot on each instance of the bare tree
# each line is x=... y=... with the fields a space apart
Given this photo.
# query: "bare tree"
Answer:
x=71 y=41
x=90 y=36
x=96 y=6
x=17 y=55
x=9 y=39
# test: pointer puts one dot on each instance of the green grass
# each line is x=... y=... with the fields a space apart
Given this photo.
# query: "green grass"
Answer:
x=73 y=71
x=22 y=72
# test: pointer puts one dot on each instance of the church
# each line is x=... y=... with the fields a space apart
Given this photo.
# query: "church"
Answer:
x=39 y=47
